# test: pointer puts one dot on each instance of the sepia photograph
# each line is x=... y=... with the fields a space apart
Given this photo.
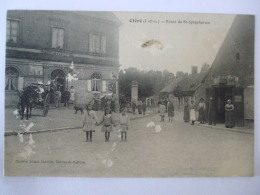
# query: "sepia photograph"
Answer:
x=128 y=94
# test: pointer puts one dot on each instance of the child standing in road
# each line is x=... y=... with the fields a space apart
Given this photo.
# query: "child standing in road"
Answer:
x=107 y=122
x=162 y=110
x=124 y=124
x=89 y=120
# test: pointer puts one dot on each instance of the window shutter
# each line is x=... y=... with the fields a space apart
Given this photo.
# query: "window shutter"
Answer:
x=89 y=85
x=54 y=37
x=97 y=43
x=8 y=27
x=91 y=45
x=60 y=38
x=103 y=44
x=104 y=86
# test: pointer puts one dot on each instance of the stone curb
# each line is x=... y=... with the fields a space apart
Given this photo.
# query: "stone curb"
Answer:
x=9 y=133
x=227 y=129
x=223 y=128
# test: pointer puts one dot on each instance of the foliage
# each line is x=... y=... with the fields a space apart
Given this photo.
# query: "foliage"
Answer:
x=149 y=82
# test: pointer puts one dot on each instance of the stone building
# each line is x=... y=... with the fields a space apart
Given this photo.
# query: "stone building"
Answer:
x=68 y=47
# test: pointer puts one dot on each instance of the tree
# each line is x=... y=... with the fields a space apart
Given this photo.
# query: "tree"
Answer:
x=149 y=82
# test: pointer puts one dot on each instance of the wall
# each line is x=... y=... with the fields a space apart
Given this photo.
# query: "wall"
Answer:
x=35 y=30
x=33 y=51
x=249 y=102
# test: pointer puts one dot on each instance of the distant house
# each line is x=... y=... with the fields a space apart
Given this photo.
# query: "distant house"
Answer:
x=232 y=72
x=191 y=87
x=170 y=87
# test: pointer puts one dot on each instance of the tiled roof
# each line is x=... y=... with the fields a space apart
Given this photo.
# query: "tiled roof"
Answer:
x=191 y=82
x=171 y=86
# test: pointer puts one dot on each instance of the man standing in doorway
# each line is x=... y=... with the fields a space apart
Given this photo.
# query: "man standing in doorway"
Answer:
x=212 y=112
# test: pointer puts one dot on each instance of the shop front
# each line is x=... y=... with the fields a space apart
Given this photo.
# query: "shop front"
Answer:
x=223 y=88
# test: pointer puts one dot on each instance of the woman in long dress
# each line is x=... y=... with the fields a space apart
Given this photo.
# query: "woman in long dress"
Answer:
x=201 y=108
x=144 y=107
x=139 y=107
x=229 y=115
x=170 y=109
x=186 y=116
x=162 y=111
x=212 y=112
x=192 y=113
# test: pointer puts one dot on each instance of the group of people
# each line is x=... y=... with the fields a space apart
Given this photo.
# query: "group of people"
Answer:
x=139 y=105
x=136 y=105
x=190 y=112
x=90 y=120
x=166 y=106
x=68 y=96
x=107 y=103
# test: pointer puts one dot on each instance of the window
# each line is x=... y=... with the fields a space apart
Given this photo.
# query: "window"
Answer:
x=57 y=37
x=12 y=31
x=11 y=79
x=97 y=43
x=95 y=82
x=35 y=70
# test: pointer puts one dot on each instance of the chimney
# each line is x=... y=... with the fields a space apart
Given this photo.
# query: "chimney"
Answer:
x=194 y=69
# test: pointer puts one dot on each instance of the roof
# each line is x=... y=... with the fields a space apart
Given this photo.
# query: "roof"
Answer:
x=94 y=15
x=171 y=86
x=98 y=15
x=236 y=54
x=109 y=16
x=189 y=84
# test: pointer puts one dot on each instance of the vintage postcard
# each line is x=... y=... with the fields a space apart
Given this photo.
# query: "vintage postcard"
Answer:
x=129 y=94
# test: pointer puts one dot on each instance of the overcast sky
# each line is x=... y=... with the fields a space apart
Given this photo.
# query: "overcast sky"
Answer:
x=178 y=46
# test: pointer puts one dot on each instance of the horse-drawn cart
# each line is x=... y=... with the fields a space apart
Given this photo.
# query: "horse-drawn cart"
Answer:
x=36 y=95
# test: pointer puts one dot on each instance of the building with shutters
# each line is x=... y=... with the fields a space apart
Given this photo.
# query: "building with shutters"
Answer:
x=70 y=48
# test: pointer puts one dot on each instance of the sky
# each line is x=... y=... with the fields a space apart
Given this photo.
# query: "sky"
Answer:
x=179 y=40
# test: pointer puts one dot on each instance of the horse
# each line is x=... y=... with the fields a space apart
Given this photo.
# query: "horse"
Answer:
x=27 y=98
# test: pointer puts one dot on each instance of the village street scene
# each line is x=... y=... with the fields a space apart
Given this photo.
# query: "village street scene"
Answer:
x=83 y=99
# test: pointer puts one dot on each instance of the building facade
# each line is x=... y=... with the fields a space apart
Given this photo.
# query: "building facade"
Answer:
x=232 y=72
x=79 y=49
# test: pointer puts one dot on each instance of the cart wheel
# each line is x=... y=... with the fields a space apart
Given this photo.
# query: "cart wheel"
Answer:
x=46 y=105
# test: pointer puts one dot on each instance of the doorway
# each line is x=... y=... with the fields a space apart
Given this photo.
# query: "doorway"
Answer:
x=59 y=79
x=222 y=94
